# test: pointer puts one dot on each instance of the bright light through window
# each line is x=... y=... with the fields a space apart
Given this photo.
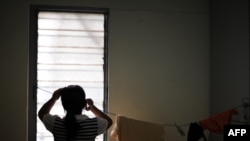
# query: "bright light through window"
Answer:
x=70 y=51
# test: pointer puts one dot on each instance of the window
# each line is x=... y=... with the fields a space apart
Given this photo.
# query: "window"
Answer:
x=66 y=48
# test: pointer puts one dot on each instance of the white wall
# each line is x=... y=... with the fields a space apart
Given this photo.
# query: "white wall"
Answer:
x=230 y=55
x=159 y=61
x=159 y=66
x=13 y=61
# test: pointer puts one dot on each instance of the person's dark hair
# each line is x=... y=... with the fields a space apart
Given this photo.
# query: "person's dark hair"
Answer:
x=73 y=101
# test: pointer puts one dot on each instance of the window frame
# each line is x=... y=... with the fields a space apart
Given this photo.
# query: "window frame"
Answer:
x=33 y=36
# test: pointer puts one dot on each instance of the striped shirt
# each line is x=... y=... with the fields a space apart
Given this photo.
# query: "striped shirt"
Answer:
x=89 y=128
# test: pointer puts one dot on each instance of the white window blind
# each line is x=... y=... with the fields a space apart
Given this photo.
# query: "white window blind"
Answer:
x=70 y=51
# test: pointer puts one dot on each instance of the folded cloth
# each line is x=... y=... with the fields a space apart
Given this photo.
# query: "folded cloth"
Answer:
x=127 y=129
x=216 y=123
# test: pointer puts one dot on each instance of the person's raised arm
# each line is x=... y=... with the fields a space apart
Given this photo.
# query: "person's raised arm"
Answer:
x=45 y=109
x=98 y=112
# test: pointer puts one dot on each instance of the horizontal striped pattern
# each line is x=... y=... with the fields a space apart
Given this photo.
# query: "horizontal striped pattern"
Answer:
x=70 y=50
x=87 y=130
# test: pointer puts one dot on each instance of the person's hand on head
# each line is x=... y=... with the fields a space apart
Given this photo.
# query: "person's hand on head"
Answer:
x=90 y=106
x=57 y=94
x=89 y=103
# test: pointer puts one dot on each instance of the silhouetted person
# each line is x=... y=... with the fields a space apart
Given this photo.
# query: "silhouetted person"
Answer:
x=75 y=126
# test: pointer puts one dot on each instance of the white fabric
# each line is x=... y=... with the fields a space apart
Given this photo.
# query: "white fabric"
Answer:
x=127 y=129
